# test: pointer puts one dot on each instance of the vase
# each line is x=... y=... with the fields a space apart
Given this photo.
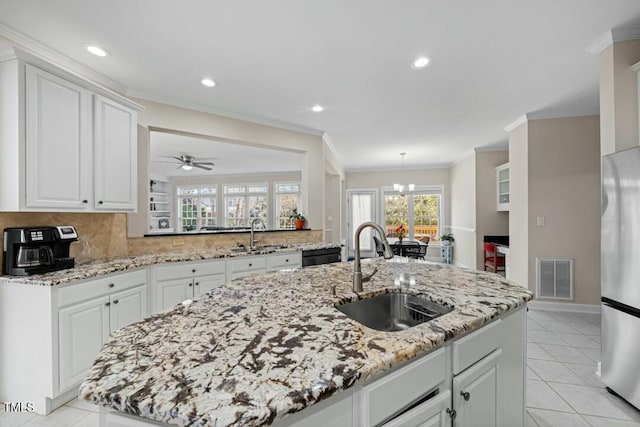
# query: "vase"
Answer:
x=400 y=239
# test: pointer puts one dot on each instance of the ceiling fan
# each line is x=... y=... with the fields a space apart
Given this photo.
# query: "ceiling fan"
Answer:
x=187 y=162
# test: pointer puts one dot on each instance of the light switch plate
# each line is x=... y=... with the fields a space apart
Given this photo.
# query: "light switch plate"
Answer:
x=540 y=221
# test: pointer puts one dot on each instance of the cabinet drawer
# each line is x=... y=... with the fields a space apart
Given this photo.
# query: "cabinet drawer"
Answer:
x=248 y=264
x=102 y=286
x=473 y=347
x=396 y=391
x=290 y=260
x=185 y=270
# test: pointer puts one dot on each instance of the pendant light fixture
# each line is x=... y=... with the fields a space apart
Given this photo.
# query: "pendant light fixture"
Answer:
x=403 y=188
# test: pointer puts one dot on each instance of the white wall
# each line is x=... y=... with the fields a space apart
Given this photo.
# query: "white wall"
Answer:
x=519 y=205
x=463 y=212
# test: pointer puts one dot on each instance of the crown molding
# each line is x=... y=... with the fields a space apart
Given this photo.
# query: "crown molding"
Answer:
x=223 y=113
x=58 y=59
x=519 y=121
x=636 y=67
x=612 y=36
x=501 y=146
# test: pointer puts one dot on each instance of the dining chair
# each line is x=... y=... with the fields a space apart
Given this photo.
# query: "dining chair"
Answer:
x=492 y=259
x=412 y=249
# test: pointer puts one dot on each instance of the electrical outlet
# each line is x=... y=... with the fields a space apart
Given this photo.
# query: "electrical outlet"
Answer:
x=540 y=221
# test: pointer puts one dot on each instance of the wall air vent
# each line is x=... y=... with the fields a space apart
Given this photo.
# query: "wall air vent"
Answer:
x=554 y=277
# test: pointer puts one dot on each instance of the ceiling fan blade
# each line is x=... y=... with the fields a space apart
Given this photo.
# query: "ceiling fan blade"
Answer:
x=204 y=163
x=180 y=159
x=162 y=161
x=198 y=165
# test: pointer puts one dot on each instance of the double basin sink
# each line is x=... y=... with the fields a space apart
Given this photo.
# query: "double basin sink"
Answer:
x=393 y=311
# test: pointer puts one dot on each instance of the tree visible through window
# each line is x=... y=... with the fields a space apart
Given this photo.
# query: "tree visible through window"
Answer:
x=196 y=207
x=287 y=199
x=244 y=203
x=420 y=212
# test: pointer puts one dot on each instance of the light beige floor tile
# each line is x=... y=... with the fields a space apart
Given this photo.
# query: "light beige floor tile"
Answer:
x=587 y=374
x=554 y=371
x=530 y=422
x=578 y=340
x=592 y=353
x=541 y=396
x=565 y=316
x=546 y=337
x=595 y=401
x=546 y=418
x=560 y=326
x=15 y=419
x=590 y=317
x=587 y=328
x=81 y=404
x=567 y=354
x=532 y=325
x=539 y=315
x=534 y=351
x=90 y=421
x=596 y=338
x=61 y=417
x=531 y=375
x=608 y=422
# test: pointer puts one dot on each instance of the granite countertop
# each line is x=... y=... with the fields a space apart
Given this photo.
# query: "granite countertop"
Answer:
x=107 y=266
x=264 y=346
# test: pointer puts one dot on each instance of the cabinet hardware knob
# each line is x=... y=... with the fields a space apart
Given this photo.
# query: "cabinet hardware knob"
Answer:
x=465 y=395
x=286 y=260
x=452 y=413
x=107 y=304
x=190 y=285
x=115 y=302
x=100 y=202
x=193 y=271
x=111 y=285
x=85 y=201
x=197 y=283
x=250 y=264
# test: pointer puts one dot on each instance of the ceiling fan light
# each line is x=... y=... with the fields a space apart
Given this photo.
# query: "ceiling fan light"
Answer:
x=187 y=167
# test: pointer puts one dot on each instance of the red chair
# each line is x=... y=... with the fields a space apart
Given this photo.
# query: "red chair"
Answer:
x=492 y=259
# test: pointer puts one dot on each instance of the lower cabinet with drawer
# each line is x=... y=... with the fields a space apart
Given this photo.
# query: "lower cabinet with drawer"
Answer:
x=283 y=261
x=246 y=265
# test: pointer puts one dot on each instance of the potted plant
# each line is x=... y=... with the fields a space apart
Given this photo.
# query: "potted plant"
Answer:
x=299 y=219
x=447 y=239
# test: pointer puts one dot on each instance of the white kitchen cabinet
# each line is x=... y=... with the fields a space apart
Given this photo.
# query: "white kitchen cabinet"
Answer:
x=116 y=155
x=475 y=393
x=280 y=261
x=173 y=284
x=58 y=142
x=432 y=413
x=502 y=187
x=66 y=144
x=127 y=307
x=83 y=328
x=245 y=266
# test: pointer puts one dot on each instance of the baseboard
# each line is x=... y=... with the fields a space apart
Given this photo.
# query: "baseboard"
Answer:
x=565 y=306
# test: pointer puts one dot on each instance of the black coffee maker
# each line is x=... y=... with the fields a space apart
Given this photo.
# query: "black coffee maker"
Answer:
x=35 y=250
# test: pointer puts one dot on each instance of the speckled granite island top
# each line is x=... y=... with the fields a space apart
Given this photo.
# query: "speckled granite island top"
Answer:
x=264 y=346
x=102 y=267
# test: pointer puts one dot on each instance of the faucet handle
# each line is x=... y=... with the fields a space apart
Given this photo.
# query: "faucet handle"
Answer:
x=367 y=278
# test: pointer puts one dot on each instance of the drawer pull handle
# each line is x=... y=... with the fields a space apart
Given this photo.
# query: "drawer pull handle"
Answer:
x=115 y=302
x=465 y=395
x=452 y=413
x=111 y=285
x=107 y=304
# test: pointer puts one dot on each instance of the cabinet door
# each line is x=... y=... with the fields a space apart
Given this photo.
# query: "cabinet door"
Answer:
x=115 y=154
x=58 y=142
x=83 y=328
x=475 y=393
x=127 y=307
x=432 y=413
x=204 y=284
x=173 y=292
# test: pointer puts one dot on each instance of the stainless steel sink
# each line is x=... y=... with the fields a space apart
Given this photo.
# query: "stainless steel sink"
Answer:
x=393 y=312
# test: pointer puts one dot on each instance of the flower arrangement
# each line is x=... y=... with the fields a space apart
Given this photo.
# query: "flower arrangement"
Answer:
x=401 y=231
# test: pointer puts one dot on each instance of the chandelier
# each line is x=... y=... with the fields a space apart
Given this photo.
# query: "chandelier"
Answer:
x=400 y=188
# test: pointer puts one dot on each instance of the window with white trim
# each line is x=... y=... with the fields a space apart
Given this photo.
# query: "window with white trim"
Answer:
x=244 y=202
x=419 y=211
x=196 y=207
x=287 y=195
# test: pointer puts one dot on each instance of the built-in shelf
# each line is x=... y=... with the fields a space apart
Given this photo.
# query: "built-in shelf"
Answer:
x=160 y=220
x=502 y=187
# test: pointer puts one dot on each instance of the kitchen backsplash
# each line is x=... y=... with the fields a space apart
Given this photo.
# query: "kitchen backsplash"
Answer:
x=104 y=235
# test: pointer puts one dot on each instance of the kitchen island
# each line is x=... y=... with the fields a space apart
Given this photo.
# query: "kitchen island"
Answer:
x=262 y=347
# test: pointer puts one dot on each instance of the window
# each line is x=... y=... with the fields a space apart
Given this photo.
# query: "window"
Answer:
x=419 y=211
x=287 y=199
x=196 y=207
x=245 y=202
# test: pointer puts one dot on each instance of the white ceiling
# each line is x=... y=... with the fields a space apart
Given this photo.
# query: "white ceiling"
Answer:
x=229 y=159
x=493 y=61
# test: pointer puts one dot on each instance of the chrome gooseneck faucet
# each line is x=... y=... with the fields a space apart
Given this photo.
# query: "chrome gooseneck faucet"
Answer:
x=358 y=279
x=252 y=242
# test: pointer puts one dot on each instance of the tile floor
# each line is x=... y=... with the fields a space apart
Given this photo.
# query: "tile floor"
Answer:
x=563 y=350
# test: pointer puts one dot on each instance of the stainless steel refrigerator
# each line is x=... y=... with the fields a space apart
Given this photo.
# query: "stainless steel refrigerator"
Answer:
x=620 y=284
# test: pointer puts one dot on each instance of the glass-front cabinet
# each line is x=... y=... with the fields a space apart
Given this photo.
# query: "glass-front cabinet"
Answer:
x=502 y=187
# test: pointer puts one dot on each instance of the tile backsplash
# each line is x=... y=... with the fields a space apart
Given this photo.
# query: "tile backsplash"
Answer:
x=104 y=235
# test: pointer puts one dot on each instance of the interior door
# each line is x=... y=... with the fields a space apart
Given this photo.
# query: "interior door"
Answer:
x=362 y=206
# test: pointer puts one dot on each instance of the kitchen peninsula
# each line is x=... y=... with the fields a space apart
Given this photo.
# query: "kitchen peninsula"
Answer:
x=265 y=346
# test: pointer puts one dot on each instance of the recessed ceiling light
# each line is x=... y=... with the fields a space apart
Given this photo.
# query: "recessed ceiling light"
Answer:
x=420 y=62
x=317 y=108
x=97 y=50
x=208 y=82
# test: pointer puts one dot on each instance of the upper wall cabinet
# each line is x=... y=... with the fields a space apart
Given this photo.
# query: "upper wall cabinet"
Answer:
x=66 y=144
x=502 y=187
